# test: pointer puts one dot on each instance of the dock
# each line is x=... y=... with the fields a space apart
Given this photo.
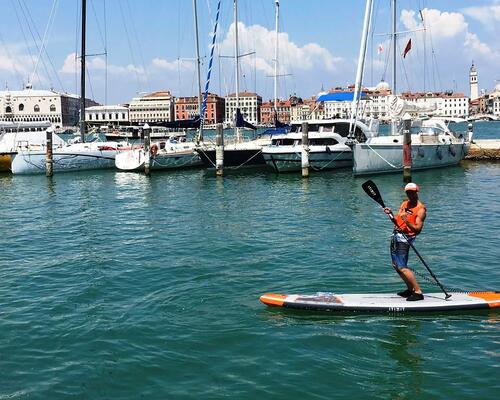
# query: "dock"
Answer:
x=484 y=149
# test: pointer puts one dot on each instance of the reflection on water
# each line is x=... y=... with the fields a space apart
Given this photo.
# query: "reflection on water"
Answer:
x=404 y=347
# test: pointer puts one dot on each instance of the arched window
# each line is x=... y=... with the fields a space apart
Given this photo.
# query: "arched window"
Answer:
x=8 y=110
x=21 y=107
x=36 y=108
x=52 y=108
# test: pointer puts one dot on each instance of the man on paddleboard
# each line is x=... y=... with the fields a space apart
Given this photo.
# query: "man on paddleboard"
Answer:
x=409 y=220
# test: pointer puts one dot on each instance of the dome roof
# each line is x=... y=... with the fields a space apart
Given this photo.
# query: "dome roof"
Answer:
x=383 y=85
x=497 y=88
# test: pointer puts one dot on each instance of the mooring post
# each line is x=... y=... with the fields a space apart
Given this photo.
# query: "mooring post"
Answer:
x=305 y=149
x=470 y=131
x=406 y=148
x=219 y=150
x=147 y=148
x=49 y=162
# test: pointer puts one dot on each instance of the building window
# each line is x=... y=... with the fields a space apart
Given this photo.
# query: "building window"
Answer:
x=8 y=110
x=21 y=107
x=36 y=108
x=52 y=108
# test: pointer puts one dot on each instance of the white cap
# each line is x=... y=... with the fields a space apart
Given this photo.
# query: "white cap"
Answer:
x=411 y=186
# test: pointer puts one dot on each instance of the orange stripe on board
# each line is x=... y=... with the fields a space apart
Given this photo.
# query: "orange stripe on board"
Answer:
x=273 y=299
x=493 y=298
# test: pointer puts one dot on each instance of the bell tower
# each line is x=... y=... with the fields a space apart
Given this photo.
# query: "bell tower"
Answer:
x=474 y=92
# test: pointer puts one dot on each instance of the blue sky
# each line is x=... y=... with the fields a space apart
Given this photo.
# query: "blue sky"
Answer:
x=150 y=45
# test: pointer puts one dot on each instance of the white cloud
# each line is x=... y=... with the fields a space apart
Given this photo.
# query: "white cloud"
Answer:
x=172 y=66
x=441 y=24
x=261 y=40
x=72 y=64
x=450 y=29
x=15 y=63
x=69 y=65
x=473 y=43
x=489 y=16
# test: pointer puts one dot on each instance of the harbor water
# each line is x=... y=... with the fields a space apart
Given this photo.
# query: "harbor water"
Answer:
x=120 y=286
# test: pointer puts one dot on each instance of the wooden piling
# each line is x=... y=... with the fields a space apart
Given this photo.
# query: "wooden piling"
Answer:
x=49 y=162
x=147 y=149
x=219 y=151
x=406 y=148
x=305 y=149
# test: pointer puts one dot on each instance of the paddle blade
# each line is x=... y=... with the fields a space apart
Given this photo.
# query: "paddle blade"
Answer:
x=372 y=190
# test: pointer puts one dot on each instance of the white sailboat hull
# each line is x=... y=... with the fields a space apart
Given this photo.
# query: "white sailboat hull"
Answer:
x=74 y=157
x=374 y=158
x=133 y=160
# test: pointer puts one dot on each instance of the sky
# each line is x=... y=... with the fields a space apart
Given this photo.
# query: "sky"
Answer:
x=138 y=46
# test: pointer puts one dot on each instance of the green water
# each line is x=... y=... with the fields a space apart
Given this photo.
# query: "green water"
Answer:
x=118 y=286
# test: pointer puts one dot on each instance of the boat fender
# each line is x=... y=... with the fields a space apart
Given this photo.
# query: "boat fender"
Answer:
x=452 y=151
x=439 y=152
x=421 y=152
x=154 y=150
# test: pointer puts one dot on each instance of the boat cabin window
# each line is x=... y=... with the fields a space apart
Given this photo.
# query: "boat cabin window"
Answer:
x=323 y=141
x=430 y=130
x=283 y=142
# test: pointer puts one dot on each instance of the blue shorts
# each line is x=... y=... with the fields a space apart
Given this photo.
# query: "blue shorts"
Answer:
x=400 y=249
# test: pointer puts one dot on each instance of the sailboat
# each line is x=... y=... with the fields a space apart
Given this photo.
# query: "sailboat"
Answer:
x=433 y=144
x=241 y=153
x=330 y=140
x=175 y=152
x=75 y=156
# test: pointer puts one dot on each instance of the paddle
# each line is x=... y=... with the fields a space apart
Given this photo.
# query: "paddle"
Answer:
x=372 y=190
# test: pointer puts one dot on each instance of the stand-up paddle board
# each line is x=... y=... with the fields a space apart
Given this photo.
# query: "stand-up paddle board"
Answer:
x=383 y=302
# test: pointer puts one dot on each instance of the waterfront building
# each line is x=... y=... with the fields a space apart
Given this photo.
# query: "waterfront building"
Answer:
x=187 y=108
x=283 y=109
x=490 y=102
x=31 y=105
x=307 y=109
x=107 y=115
x=376 y=105
x=250 y=104
x=154 y=107
x=474 y=91
x=448 y=104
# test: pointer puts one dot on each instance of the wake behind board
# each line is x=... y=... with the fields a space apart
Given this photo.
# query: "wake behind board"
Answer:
x=370 y=302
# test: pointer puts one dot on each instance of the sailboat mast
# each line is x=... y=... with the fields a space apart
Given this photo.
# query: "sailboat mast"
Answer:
x=361 y=66
x=394 y=45
x=277 y=2
x=83 y=126
x=237 y=64
x=195 y=9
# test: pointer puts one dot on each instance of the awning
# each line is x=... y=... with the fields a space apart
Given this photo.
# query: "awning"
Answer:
x=339 y=96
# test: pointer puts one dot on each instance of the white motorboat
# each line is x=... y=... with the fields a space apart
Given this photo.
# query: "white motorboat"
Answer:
x=15 y=136
x=169 y=154
x=433 y=145
x=67 y=157
x=327 y=145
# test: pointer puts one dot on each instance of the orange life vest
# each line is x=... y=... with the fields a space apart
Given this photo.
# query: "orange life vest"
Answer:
x=411 y=215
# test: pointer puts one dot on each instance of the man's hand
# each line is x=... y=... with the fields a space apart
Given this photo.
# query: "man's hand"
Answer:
x=404 y=217
x=387 y=210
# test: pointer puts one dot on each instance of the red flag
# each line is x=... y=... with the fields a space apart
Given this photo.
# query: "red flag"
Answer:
x=407 y=48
